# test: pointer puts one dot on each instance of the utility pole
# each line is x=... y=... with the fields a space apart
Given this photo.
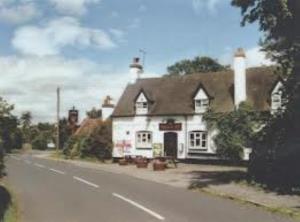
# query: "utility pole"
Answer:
x=58 y=118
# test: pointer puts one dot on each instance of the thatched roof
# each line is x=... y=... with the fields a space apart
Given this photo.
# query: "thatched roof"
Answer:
x=88 y=126
x=174 y=95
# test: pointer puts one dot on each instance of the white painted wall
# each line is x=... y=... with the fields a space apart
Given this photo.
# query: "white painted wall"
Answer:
x=239 y=67
x=106 y=112
x=125 y=128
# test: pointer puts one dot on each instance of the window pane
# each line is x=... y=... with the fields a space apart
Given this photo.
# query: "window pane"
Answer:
x=192 y=143
x=203 y=145
x=203 y=136
x=197 y=142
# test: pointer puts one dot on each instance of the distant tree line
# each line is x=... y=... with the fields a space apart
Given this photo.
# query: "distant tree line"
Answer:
x=196 y=65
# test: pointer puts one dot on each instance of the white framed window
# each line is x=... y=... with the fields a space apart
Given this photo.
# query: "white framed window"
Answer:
x=198 y=140
x=201 y=105
x=143 y=139
x=141 y=105
x=276 y=101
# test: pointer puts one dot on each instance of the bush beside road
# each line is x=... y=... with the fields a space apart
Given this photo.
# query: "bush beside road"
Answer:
x=8 y=204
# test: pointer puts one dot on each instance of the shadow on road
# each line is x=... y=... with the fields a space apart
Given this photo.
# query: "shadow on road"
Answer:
x=201 y=179
x=5 y=201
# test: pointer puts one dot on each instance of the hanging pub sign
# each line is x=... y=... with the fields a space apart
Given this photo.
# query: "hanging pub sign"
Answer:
x=73 y=116
x=170 y=126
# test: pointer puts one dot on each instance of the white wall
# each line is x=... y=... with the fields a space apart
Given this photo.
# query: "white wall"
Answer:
x=125 y=128
x=106 y=112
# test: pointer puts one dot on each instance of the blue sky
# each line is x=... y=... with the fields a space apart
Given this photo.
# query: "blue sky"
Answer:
x=85 y=46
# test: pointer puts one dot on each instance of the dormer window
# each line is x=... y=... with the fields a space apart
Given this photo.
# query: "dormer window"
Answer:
x=277 y=101
x=201 y=100
x=141 y=104
x=201 y=105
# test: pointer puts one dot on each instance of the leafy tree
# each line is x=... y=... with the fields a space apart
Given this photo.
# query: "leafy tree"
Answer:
x=1 y=159
x=25 y=120
x=41 y=141
x=235 y=130
x=196 y=65
x=277 y=152
x=65 y=132
x=41 y=134
x=94 y=113
x=97 y=144
x=17 y=139
x=8 y=125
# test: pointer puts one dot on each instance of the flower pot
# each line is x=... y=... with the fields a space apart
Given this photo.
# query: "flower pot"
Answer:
x=159 y=165
x=123 y=162
x=141 y=162
x=142 y=165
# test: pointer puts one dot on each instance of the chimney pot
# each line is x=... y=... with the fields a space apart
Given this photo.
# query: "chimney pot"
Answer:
x=240 y=53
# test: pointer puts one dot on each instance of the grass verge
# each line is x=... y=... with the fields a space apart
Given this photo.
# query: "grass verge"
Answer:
x=290 y=212
x=60 y=156
x=12 y=212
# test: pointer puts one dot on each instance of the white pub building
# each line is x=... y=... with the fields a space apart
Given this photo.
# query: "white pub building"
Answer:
x=164 y=116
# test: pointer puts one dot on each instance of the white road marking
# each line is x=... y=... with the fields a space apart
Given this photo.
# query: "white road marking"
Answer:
x=39 y=165
x=57 y=171
x=28 y=161
x=86 y=182
x=152 y=213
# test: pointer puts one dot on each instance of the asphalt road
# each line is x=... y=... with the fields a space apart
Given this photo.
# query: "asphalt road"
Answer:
x=51 y=191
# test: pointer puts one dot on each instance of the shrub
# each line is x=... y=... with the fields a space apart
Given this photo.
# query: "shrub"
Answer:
x=275 y=160
x=40 y=142
x=1 y=159
x=236 y=130
x=97 y=144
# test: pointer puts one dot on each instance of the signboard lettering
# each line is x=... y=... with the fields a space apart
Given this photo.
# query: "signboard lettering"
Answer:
x=170 y=126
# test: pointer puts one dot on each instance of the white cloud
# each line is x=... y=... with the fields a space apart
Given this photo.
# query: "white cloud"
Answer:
x=17 y=12
x=30 y=83
x=254 y=57
x=118 y=34
x=73 y=7
x=211 y=5
x=51 y=38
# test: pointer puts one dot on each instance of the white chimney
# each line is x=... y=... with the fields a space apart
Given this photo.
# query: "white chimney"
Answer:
x=239 y=67
x=107 y=108
x=136 y=69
